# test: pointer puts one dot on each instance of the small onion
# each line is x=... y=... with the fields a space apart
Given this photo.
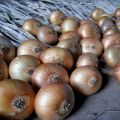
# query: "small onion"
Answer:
x=47 y=35
x=57 y=55
x=54 y=101
x=7 y=49
x=97 y=13
x=89 y=30
x=86 y=80
x=110 y=40
x=69 y=24
x=112 y=55
x=90 y=45
x=31 y=25
x=117 y=13
x=73 y=46
x=57 y=17
x=3 y=70
x=87 y=59
x=22 y=67
x=49 y=73
x=31 y=47
x=16 y=99
x=70 y=35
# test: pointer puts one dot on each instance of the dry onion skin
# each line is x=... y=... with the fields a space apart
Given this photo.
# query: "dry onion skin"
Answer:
x=7 y=49
x=22 y=67
x=31 y=47
x=97 y=13
x=47 y=35
x=69 y=24
x=110 y=40
x=54 y=101
x=70 y=35
x=31 y=25
x=117 y=13
x=49 y=73
x=16 y=99
x=57 y=17
x=72 y=45
x=3 y=70
x=90 y=45
x=112 y=55
x=57 y=55
x=89 y=29
x=87 y=80
x=87 y=59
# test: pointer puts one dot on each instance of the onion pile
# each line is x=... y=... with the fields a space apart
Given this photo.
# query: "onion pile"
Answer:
x=46 y=71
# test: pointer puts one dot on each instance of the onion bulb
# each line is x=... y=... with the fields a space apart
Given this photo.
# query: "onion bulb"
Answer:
x=47 y=35
x=69 y=24
x=110 y=40
x=70 y=35
x=90 y=45
x=31 y=47
x=73 y=46
x=31 y=25
x=97 y=13
x=49 y=73
x=57 y=55
x=86 y=80
x=3 y=70
x=16 y=99
x=112 y=55
x=117 y=13
x=22 y=67
x=54 y=101
x=89 y=30
x=7 y=49
x=87 y=59
x=57 y=17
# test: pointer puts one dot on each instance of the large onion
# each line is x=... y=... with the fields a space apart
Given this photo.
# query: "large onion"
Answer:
x=57 y=55
x=54 y=101
x=48 y=73
x=31 y=25
x=22 y=67
x=86 y=80
x=90 y=45
x=31 y=47
x=47 y=35
x=16 y=99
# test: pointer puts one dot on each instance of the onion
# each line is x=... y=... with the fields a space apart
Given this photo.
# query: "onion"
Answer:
x=49 y=73
x=69 y=24
x=70 y=35
x=87 y=59
x=110 y=40
x=89 y=30
x=47 y=35
x=86 y=80
x=3 y=70
x=112 y=55
x=97 y=13
x=7 y=49
x=31 y=47
x=54 y=101
x=57 y=17
x=31 y=25
x=22 y=67
x=16 y=99
x=90 y=45
x=72 y=46
x=57 y=55
x=117 y=13
x=84 y=21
